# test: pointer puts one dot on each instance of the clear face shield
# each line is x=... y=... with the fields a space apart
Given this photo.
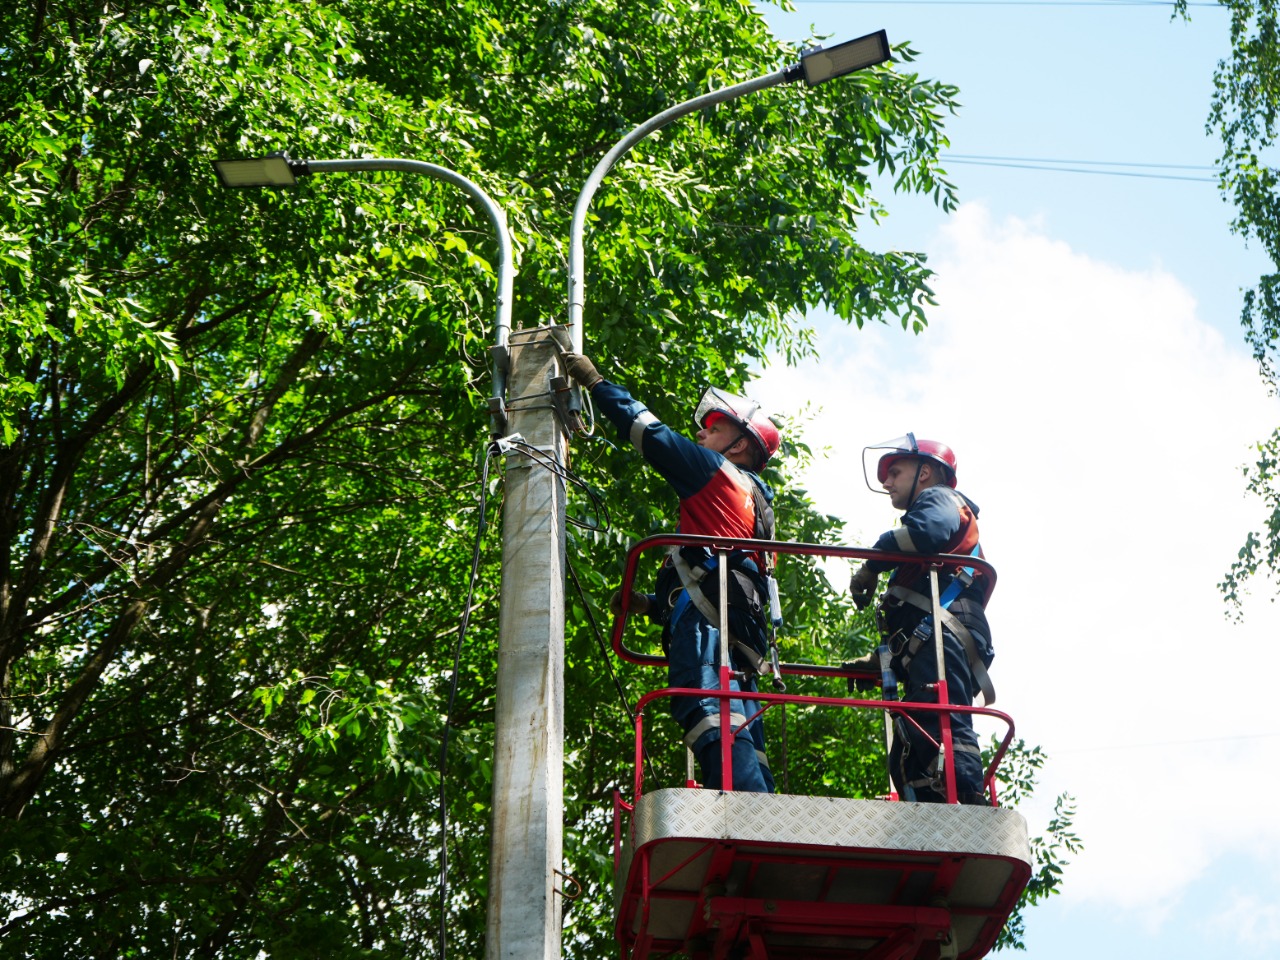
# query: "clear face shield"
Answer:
x=872 y=455
x=715 y=400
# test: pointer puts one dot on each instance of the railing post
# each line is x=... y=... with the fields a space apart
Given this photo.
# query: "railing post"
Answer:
x=726 y=723
x=946 y=749
x=639 y=755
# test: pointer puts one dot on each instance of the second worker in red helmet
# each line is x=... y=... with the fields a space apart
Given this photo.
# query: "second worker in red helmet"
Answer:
x=920 y=478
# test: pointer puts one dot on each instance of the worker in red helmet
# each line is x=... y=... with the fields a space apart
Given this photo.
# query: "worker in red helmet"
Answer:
x=920 y=478
x=721 y=494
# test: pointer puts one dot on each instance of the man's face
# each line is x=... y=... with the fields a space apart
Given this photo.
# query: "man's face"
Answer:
x=900 y=479
x=719 y=434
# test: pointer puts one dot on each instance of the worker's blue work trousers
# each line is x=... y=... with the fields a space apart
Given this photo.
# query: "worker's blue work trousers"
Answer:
x=694 y=662
x=918 y=755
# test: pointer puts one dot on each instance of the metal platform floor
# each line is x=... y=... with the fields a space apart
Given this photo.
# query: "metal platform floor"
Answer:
x=705 y=874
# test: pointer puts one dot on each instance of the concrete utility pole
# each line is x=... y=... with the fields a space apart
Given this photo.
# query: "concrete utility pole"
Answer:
x=528 y=766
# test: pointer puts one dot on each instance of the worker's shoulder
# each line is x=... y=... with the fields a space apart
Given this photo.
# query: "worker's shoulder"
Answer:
x=942 y=497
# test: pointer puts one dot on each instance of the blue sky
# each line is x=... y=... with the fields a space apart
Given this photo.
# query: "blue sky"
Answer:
x=1085 y=361
x=1089 y=82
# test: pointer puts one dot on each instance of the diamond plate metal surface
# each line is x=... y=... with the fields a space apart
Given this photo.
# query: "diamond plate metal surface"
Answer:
x=830 y=822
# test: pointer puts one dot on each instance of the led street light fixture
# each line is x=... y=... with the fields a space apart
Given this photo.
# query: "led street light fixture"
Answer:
x=274 y=170
x=819 y=65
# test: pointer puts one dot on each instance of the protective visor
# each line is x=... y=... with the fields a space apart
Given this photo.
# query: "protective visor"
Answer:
x=715 y=400
x=872 y=455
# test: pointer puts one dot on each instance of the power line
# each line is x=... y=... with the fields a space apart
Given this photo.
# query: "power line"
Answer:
x=1165 y=743
x=489 y=451
x=1096 y=167
x=1005 y=3
x=1083 y=163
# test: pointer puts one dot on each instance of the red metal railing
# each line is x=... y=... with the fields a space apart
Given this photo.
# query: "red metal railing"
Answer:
x=722 y=547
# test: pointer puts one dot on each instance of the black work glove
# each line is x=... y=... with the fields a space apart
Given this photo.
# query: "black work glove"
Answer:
x=870 y=664
x=582 y=370
x=640 y=604
x=862 y=586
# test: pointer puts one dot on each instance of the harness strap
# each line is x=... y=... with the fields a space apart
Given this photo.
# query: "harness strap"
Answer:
x=962 y=578
x=958 y=630
x=692 y=578
x=933 y=775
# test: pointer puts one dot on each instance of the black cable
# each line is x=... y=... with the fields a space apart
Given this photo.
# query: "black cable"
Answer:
x=608 y=661
x=490 y=450
x=602 y=523
x=543 y=459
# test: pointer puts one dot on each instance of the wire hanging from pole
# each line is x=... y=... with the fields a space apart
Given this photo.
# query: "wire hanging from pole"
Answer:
x=608 y=662
x=540 y=458
x=490 y=449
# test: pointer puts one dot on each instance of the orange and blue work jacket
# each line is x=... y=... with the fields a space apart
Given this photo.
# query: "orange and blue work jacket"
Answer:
x=715 y=495
x=939 y=520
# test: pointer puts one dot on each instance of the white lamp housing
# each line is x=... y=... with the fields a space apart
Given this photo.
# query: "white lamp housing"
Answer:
x=821 y=65
x=275 y=170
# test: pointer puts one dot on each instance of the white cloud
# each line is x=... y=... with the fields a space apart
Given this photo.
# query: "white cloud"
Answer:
x=1252 y=920
x=1101 y=426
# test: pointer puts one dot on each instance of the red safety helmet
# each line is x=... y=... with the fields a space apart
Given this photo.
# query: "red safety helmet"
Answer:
x=748 y=417
x=909 y=447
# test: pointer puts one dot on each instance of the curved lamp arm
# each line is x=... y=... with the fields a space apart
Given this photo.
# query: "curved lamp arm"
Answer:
x=280 y=170
x=577 y=279
x=815 y=66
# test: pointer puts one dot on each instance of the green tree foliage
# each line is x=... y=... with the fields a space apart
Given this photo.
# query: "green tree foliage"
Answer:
x=1049 y=851
x=1244 y=116
x=241 y=432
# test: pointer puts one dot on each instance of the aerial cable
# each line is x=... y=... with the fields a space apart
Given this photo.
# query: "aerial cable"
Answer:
x=545 y=460
x=608 y=661
x=490 y=449
x=1007 y=3
x=1168 y=743
x=1083 y=163
x=542 y=459
x=1044 y=165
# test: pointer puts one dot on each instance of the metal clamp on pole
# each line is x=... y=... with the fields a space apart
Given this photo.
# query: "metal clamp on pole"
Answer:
x=567 y=399
x=497 y=417
x=567 y=395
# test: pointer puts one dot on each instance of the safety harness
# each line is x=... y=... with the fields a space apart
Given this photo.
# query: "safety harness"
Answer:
x=691 y=578
x=924 y=629
x=900 y=749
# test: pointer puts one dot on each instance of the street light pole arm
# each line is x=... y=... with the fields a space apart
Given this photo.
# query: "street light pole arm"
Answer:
x=577 y=273
x=506 y=271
